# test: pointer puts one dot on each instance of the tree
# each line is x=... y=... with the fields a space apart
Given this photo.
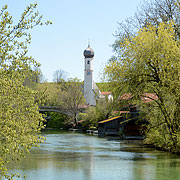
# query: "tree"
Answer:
x=104 y=108
x=37 y=75
x=20 y=121
x=146 y=66
x=59 y=76
x=90 y=118
x=51 y=93
x=73 y=98
x=56 y=120
x=34 y=77
x=150 y=12
x=150 y=63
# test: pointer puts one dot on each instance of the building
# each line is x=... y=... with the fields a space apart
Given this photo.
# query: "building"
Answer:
x=110 y=126
x=128 y=125
x=103 y=95
x=91 y=91
x=90 y=88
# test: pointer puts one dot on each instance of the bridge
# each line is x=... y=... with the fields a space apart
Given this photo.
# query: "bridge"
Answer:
x=53 y=109
x=58 y=109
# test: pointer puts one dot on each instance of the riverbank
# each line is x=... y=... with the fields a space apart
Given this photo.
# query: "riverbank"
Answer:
x=138 y=140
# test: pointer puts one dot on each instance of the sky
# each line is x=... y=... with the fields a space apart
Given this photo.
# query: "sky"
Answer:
x=75 y=22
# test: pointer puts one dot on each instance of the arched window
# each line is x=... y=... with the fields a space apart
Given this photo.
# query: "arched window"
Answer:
x=88 y=62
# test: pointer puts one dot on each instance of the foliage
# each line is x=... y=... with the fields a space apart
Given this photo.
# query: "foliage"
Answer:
x=90 y=118
x=150 y=12
x=66 y=95
x=104 y=86
x=57 y=120
x=20 y=121
x=50 y=92
x=72 y=98
x=103 y=110
x=150 y=62
x=33 y=77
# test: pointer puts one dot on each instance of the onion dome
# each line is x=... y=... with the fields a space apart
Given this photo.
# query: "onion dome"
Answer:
x=88 y=52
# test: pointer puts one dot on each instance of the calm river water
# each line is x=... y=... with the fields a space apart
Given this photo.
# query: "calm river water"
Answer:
x=72 y=156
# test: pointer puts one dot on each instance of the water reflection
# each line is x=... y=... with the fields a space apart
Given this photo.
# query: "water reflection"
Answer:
x=69 y=156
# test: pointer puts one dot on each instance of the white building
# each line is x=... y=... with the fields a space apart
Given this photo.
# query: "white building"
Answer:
x=91 y=91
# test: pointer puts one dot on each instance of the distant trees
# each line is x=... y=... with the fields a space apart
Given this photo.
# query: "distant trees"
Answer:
x=59 y=76
x=33 y=77
x=147 y=60
x=37 y=75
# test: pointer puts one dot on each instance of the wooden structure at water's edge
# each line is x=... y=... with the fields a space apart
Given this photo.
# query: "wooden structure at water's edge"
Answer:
x=110 y=126
x=124 y=126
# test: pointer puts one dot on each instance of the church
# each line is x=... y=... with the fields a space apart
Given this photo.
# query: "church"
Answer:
x=91 y=91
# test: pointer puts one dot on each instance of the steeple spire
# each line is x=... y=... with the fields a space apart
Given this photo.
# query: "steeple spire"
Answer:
x=88 y=52
x=88 y=43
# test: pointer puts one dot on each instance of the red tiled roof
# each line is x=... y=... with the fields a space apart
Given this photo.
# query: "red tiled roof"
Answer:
x=126 y=96
x=146 y=97
x=149 y=97
x=105 y=93
x=83 y=106
x=81 y=121
x=121 y=112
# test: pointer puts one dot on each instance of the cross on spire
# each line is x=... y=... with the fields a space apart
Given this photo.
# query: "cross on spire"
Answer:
x=88 y=43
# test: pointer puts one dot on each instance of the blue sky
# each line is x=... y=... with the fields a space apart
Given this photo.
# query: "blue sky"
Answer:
x=61 y=45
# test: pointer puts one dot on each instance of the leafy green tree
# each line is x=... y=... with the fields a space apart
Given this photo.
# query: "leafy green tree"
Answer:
x=90 y=118
x=56 y=120
x=104 y=86
x=150 y=12
x=103 y=110
x=20 y=121
x=72 y=98
x=150 y=62
x=51 y=93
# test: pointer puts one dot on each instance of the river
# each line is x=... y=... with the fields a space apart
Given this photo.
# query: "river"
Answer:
x=73 y=156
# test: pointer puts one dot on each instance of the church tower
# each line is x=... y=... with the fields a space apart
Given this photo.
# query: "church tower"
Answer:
x=89 y=92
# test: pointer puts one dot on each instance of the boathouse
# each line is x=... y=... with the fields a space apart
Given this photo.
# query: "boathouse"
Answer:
x=126 y=125
x=110 y=126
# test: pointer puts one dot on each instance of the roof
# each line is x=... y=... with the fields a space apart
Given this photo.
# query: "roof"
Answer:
x=95 y=86
x=81 y=121
x=88 y=52
x=126 y=96
x=105 y=93
x=146 y=97
x=107 y=120
x=83 y=106
x=121 y=112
